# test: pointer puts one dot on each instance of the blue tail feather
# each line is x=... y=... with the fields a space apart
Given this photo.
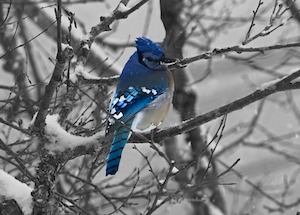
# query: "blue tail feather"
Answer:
x=121 y=135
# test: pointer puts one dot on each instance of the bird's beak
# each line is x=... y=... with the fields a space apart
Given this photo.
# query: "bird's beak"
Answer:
x=169 y=61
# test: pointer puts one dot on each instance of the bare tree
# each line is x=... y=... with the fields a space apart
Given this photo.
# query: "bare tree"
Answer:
x=53 y=109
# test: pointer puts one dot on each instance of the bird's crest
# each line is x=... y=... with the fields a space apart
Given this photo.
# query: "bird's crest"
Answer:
x=144 y=45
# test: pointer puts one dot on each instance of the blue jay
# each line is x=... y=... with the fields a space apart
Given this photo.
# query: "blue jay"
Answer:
x=142 y=99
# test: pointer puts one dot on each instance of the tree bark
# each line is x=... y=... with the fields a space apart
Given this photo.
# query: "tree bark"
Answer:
x=184 y=102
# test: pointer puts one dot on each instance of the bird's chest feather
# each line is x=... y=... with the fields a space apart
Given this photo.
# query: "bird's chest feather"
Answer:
x=153 y=115
x=142 y=95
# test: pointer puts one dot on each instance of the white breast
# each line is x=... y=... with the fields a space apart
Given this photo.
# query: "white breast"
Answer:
x=153 y=115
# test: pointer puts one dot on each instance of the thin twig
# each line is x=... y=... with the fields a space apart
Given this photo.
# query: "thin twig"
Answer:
x=84 y=50
x=221 y=128
x=207 y=55
x=283 y=84
x=92 y=185
x=58 y=27
x=71 y=201
x=259 y=189
x=14 y=126
x=148 y=162
x=39 y=123
x=250 y=126
x=161 y=189
x=7 y=13
x=252 y=21
x=18 y=160
x=33 y=38
x=128 y=197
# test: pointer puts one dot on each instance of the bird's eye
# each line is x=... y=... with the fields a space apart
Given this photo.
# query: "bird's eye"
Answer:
x=151 y=59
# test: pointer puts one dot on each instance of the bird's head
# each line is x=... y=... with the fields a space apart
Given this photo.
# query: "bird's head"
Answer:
x=150 y=53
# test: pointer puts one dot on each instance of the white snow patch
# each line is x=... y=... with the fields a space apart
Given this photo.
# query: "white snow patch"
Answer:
x=73 y=77
x=81 y=72
x=294 y=70
x=64 y=46
x=266 y=31
x=123 y=8
x=270 y=84
x=86 y=37
x=174 y=170
x=242 y=46
x=33 y=119
x=162 y=181
x=60 y=139
x=160 y=201
x=88 y=76
x=86 y=46
x=11 y=188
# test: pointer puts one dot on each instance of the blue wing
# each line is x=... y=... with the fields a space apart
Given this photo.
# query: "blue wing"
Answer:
x=126 y=104
x=121 y=135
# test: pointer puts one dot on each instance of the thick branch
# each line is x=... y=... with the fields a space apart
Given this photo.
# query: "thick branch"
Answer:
x=282 y=85
x=237 y=49
x=50 y=88
x=207 y=55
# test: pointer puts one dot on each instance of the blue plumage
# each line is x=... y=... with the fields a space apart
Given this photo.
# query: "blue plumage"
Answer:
x=142 y=98
x=121 y=135
x=146 y=46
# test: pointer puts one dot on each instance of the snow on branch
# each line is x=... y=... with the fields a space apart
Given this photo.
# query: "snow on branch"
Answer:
x=281 y=84
x=66 y=46
x=60 y=140
x=207 y=55
x=270 y=84
x=80 y=72
x=237 y=49
x=123 y=8
x=11 y=188
x=103 y=26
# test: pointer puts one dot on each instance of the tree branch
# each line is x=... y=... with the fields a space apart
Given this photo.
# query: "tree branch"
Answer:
x=84 y=50
x=207 y=55
x=62 y=58
x=283 y=84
